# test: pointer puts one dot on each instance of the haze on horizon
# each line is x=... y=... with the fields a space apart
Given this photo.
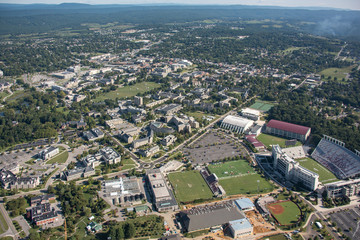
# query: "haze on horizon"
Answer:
x=344 y=4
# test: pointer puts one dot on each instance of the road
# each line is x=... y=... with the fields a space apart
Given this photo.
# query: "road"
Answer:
x=339 y=53
x=11 y=93
x=11 y=231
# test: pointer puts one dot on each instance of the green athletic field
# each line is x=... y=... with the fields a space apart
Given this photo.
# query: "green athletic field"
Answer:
x=128 y=91
x=325 y=176
x=268 y=140
x=233 y=168
x=261 y=106
x=290 y=214
x=189 y=186
x=246 y=185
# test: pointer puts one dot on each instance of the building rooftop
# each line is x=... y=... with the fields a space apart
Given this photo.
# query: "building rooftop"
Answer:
x=240 y=224
x=210 y=216
x=238 y=121
x=289 y=127
x=244 y=203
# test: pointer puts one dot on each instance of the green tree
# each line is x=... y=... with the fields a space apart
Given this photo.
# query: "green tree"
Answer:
x=129 y=230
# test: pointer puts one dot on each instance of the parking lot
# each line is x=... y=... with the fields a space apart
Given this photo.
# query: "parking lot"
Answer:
x=212 y=147
x=348 y=221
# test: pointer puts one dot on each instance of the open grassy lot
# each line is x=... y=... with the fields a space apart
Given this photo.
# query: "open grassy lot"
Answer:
x=128 y=91
x=189 y=186
x=338 y=73
x=246 y=184
x=261 y=106
x=290 y=50
x=3 y=224
x=268 y=140
x=59 y=158
x=233 y=168
x=325 y=176
x=290 y=212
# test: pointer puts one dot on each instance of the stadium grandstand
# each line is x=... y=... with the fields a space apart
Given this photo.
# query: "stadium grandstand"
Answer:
x=213 y=182
x=288 y=130
x=332 y=154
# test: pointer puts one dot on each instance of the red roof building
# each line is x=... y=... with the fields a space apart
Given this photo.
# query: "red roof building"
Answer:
x=252 y=140
x=288 y=130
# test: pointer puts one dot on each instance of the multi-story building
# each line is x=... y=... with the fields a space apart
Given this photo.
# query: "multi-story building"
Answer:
x=138 y=101
x=124 y=190
x=250 y=114
x=42 y=214
x=48 y=153
x=150 y=151
x=292 y=170
x=288 y=130
x=343 y=188
x=9 y=180
x=162 y=196
x=168 y=140
x=240 y=228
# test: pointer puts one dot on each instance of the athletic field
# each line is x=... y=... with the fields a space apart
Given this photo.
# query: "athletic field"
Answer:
x=233 y=168
x=268 y=140
x=261 y=106
x=189 y=186
x=285 y=212
x=325 y=176
x=247 y=184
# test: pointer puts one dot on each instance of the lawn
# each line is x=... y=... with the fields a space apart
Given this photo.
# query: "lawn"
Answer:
x=338 y=73
x=325 y=176
x=189 y=186
x=59 y=158
x=3 y=225
x=128 y=91
x=246 y=185
x=127 y=163
x=291 y=49
x=233 y=168
x=261 y=106
x=289 y=215
x=268 y=140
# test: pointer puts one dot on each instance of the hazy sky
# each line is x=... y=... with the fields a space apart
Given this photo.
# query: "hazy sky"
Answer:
x=345 y=4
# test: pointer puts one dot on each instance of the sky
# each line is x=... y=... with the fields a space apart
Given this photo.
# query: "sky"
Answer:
x=344 y=4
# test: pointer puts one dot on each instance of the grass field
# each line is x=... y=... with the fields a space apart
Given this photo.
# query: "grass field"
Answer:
x=189 y=186
x=261 y=106
x=268 y=140
x=325 y=176
x=233 y=168
x=246 y=185
x=290 y=214
x=290 y=50
x=128 y=91
x=3 y=224
x=338 y=73
x=59 y=158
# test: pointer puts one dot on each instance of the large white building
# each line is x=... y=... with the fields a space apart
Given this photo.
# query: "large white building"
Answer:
x=343 y=188
x=240 y=228
x=251 y=114
x=236 y=124
x=292 y=170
